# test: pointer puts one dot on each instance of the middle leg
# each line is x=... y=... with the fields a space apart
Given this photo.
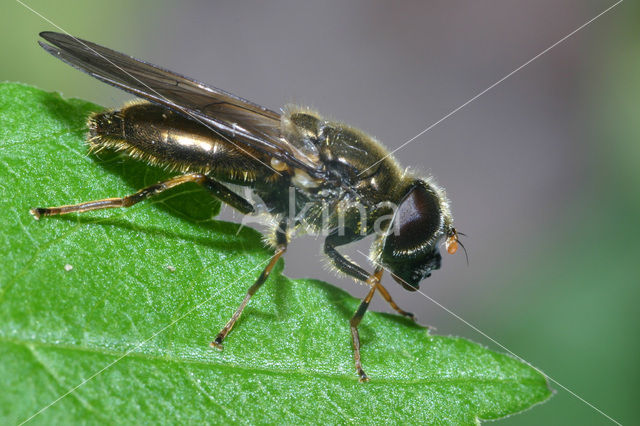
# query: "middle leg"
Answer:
x=281 y=247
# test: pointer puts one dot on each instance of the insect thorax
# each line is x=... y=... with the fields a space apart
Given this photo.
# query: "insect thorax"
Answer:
x=364 y=178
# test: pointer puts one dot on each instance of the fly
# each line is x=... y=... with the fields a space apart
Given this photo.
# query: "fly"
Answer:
x=311 y=174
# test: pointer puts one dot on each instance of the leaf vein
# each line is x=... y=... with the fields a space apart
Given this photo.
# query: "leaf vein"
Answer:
x=273 y=371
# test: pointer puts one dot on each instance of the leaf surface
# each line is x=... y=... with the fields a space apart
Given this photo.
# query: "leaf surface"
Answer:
x=151 y=285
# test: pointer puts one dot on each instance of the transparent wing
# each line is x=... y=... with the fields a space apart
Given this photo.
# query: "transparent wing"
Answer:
x=237 y=119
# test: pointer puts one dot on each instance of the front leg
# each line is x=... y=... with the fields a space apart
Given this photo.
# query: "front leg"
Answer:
x=373 y=280
x=386 y=296
x=357 y=317
x=354 y=270
x=339 y=261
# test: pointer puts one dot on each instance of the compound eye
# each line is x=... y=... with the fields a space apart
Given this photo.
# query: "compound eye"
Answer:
x=416 y=221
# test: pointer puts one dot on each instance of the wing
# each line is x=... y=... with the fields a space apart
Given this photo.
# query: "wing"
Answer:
x=239 y=121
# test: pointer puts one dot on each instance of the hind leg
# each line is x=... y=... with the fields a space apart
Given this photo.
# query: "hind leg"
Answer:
x=217 y=189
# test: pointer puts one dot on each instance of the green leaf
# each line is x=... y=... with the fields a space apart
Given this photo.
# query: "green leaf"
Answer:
x=157 y=281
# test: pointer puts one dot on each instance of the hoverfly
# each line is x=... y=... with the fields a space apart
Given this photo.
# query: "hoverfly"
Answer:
x=221 y=141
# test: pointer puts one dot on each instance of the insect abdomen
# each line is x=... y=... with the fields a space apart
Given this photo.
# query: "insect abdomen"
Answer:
x=161 y=137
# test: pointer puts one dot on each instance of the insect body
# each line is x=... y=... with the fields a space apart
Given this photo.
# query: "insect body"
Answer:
x=309 y=173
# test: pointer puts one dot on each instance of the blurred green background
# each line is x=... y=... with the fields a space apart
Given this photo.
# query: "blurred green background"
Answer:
x=543 y=170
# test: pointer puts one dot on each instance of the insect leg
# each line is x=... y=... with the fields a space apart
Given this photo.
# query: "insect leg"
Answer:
x=350 y=268
x=339 y=261
x=385 y=294
x=373 y=280
x=281 y=247
x=217 y=189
